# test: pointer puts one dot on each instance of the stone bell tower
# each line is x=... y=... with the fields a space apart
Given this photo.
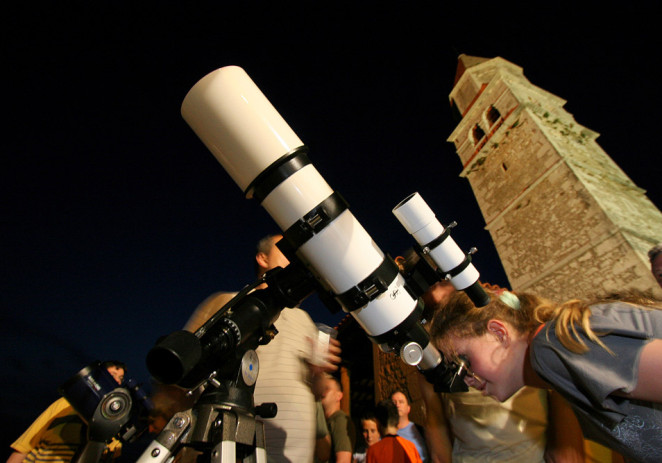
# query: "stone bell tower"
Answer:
x=565 y=219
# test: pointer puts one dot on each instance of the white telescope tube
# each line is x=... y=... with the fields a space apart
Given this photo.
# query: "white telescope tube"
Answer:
x=237 y=123
x=418 y=219
x=248 y=137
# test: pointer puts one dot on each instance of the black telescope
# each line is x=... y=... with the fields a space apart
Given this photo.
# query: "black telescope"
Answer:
x=188 y=359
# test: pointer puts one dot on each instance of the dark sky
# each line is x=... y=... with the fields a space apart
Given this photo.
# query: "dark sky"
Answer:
x=117 y=221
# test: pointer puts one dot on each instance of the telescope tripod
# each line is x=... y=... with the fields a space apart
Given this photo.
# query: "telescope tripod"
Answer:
x=222 y=426
x=217 y=433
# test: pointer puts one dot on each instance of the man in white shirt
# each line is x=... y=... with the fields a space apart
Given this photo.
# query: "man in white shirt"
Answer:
x=287 y=376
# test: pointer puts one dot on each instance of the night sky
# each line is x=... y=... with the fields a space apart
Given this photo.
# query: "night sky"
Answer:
x=117 y=221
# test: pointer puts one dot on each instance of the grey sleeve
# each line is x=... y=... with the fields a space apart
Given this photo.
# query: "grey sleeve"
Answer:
x=589 y=379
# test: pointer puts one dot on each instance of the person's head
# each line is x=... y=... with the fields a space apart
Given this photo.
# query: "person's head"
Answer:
x=370 y=429
x=156 y=421
x=438 y=293
x=655 y=256
x=167 y=400
x=410 y=263
x=492 y=339
x=387 y=417
x=332 y=394
x=401 y=402
x=116 y=368
x=268 y=256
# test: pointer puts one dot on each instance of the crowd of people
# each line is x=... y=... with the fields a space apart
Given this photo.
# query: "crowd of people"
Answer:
x=543 y=377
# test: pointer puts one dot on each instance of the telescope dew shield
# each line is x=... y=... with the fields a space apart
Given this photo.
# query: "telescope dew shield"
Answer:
x=268 y=161
x=418 y=219
x=241 y=128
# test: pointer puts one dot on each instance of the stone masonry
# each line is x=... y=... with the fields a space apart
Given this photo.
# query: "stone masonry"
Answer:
x=565 y=219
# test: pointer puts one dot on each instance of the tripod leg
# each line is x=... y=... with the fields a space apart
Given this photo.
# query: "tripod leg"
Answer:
x=225 y=451
x=259 y=454
x=260 y=445
x=224 y=434
x=155 y=453
x=238 y=428
x=167 y=443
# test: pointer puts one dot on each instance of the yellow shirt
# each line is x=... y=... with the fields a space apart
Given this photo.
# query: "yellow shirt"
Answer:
x=57 y=435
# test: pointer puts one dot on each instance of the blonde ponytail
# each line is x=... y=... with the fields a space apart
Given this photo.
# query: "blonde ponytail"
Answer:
x=569 y=316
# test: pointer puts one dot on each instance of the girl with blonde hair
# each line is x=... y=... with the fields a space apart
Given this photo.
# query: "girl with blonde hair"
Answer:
x=604 y=357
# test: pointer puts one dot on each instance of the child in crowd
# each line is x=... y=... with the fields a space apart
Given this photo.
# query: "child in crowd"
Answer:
x=370 y=432
x=603 y=357
x=391 y=448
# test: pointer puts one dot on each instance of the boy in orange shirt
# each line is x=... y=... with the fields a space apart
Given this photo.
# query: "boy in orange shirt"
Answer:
x=392 y=448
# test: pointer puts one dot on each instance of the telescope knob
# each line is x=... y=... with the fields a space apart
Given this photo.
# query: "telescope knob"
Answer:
x=411 y=353
x=266 y=410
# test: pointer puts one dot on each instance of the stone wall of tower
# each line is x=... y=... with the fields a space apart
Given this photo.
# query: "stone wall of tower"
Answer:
x=391 y=375
x=565 y=219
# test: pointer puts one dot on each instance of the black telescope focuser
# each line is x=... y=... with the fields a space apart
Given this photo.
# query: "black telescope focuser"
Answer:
x=189 y=359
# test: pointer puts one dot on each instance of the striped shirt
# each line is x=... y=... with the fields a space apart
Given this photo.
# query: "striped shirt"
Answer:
x=56 y=436
x=283 y=378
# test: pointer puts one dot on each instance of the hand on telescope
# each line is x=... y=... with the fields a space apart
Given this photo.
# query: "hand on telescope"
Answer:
x=332 y=356
x=328 y=364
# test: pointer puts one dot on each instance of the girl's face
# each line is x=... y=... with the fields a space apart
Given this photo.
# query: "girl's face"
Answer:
x=495 y=362
x=370 y=431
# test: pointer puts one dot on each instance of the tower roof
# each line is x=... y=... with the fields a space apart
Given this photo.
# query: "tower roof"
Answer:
x=464 y=62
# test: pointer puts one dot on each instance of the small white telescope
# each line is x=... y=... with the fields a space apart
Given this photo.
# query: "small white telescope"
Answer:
x=435 y=241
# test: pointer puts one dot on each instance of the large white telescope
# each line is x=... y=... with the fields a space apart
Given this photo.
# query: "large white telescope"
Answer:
x=268 y=161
